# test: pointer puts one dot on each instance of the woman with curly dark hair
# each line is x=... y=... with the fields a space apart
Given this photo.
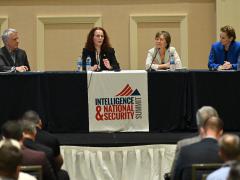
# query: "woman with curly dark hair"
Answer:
x=100 y=51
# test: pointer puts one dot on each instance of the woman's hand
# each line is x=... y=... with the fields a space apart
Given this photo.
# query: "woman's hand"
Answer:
x=94 y=68
x=107 y=64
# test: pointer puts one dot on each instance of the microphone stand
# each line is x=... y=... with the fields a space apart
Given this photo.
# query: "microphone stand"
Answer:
x=150 y=68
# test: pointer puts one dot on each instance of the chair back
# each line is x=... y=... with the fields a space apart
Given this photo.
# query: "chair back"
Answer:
x=35 y=171
x=201 y=171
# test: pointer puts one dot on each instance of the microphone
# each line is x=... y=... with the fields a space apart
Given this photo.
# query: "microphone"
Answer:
x=150 y=68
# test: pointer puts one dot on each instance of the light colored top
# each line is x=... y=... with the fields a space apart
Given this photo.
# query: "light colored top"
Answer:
x=152 y=52
x=21 y=176
x=25 y=176
x=219 y=174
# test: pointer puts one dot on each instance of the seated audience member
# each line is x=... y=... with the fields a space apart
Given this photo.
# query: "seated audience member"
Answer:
x=10 y=159
x=205 y=151
x=159 y=56
x=11 y=57
x=202 y=115
x=234 y=173
x=98 y=48
x=13 y=130
x=224 y=54
x=44 y=137
x=29 y=134
x=229 y=151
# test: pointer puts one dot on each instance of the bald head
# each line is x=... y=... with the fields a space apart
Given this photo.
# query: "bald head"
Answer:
x=212 y=127
x=213 y=123
x=229 y=145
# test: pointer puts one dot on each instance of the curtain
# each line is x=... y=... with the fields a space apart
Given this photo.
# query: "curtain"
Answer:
x=148 y=162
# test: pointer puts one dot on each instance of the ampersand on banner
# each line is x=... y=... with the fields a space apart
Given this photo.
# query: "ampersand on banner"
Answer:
x=98 y=115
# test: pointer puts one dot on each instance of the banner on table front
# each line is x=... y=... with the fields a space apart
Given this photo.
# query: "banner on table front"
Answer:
x=118 y=101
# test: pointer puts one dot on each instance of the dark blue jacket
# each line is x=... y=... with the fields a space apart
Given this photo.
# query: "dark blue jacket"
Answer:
x=217 y=55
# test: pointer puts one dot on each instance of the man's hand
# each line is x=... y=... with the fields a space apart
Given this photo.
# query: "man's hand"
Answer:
x=21 y=68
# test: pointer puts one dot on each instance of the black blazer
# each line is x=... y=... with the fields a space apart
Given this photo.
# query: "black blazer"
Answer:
x=108 y=53
x=6 y=61
x=205 y=151
x=49 y=140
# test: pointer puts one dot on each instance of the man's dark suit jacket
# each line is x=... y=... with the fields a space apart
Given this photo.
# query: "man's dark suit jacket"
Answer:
x=31 y=157
x=205 y=151
x=6 y=61
x=105 y=54
x=49 y=140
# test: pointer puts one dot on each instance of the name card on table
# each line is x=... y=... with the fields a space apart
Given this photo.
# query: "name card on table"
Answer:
x=118 y=101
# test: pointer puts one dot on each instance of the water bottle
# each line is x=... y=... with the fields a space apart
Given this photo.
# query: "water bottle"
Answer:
x=172 y=63
x=79 y=64
x=88 y=63
x=238 y=63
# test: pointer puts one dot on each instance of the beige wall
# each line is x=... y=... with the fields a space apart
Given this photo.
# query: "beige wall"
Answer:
x=63 y=44
x=228 y=14
x=57 y=44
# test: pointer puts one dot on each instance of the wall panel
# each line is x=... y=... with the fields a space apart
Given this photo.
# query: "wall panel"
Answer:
x=115 y=18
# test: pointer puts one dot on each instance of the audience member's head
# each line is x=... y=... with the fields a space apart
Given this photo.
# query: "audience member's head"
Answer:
x=12 y=130
x=229 y=147
x=10 y=158
x=34 y=117
x=234 y=173
x=29 y=129
x=212 y=127
x=205 y=113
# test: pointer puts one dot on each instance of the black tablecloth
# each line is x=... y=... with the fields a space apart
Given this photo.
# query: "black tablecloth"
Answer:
x=174 y=97
x=220 y=90
x=59 y=97
x=167 y=98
